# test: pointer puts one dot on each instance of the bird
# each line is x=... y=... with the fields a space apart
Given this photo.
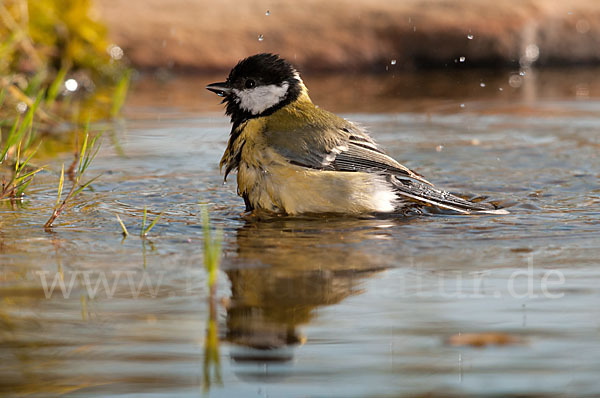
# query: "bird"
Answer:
x=293 y=157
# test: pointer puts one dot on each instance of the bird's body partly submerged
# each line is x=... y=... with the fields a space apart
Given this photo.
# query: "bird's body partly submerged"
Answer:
x=293 y=157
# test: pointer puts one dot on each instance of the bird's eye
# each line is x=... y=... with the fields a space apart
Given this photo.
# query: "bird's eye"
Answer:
x=250 y=83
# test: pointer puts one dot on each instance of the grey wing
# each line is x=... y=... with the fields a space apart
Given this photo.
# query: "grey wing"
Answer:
x=347 y=148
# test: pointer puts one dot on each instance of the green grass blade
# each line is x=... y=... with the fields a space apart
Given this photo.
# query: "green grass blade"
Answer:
x=26 y=161
x=147 y=231
x=60 y=185
x=16 y=133
x=120 y=94
x=18 y=158
x=28 y=120
x=35 y=82
x=82 y=152
x=11 y=140
x=23 y=186
x=89 y=157
x=24 y=176
x=123 y=227
x=84 y=186
x=52 y=92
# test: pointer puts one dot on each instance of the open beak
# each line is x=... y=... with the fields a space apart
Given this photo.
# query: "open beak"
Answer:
x=221 y=89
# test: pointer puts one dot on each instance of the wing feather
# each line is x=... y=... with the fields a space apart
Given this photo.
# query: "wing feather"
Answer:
x=349 y=148
x=346 y=148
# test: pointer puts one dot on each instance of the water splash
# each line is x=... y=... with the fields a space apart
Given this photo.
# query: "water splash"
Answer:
x=515 y=80
x=532 y=52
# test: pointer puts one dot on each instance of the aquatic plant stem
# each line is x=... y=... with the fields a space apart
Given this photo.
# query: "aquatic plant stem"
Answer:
x=86 y=156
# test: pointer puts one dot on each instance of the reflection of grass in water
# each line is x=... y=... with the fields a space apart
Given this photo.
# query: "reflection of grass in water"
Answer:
x=212 y=250
x=211 y=353
x=212 y=257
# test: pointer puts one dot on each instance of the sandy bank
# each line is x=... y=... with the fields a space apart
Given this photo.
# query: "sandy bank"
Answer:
x=358 y=35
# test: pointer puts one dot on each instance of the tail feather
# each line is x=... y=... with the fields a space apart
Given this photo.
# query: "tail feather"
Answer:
x=432 y=196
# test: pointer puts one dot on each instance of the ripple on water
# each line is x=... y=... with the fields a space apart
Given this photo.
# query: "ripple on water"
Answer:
x=315 y=305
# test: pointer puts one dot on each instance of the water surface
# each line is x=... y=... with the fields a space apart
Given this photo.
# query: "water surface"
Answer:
x=340 y=306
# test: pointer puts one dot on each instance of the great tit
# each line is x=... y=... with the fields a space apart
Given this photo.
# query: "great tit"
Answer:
x=293 y=157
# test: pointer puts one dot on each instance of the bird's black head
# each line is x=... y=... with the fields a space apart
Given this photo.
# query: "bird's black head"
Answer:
x=258 y=86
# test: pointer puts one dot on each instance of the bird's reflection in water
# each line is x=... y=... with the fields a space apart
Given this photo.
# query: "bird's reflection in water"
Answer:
x=286 y=269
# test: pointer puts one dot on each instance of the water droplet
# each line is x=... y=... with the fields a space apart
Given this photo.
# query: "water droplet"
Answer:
x=393 y=62
x=261 y=37
x=21 y=107
x=482 y=84
x=414 y=28
x=500 y=89
x=532 y=52
x=115 y=51
x=462 y=59
x=462 y=105
x=522 y=73
x=470 y=36
x=268 y=13
x=515 y=80
x=387 y=68
x=71 y=85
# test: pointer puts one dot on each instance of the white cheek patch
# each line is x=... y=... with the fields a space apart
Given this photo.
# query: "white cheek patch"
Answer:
x=257 y=100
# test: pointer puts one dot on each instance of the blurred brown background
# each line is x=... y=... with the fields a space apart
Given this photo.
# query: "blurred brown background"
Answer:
x=359 y=35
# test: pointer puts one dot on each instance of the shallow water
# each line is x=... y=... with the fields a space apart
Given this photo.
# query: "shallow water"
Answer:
x=320 y=306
